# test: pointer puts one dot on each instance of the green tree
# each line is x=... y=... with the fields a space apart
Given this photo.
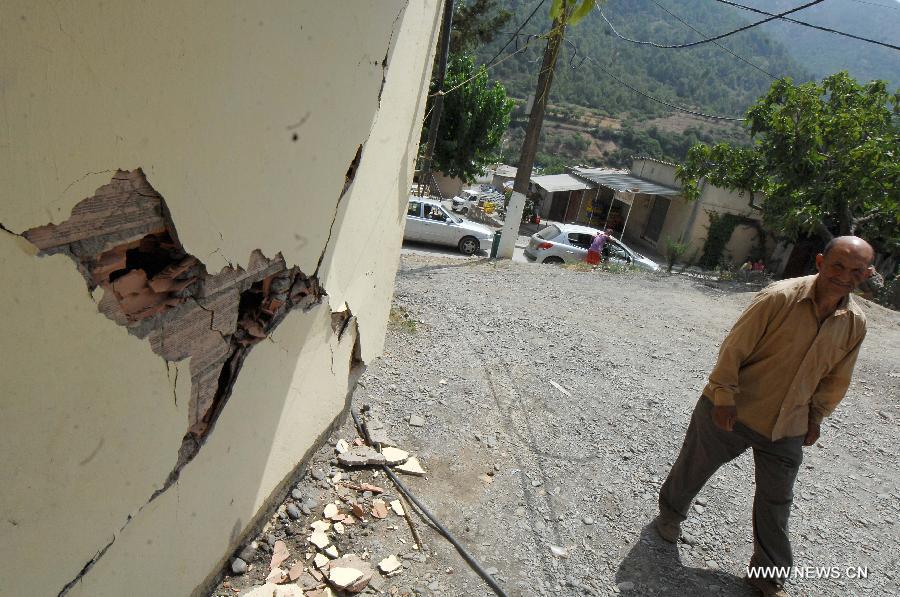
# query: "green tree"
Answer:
x=826 y=157
x=475 y=116
x=475 y=23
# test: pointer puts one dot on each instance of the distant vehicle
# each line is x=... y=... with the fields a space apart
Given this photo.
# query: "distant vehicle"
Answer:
x=469 y=197
x=427 y=221
x=569 y=243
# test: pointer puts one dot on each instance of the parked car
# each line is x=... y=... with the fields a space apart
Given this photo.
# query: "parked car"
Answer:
x=428 y=221
x=569 y=243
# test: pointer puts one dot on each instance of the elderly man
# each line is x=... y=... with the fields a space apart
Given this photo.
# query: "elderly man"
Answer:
x=784 y=366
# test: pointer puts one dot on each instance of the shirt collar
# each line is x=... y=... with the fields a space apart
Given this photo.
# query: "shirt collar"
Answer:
x=808 y=291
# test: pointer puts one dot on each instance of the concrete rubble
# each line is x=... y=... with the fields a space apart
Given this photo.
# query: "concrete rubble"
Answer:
x=354 y=498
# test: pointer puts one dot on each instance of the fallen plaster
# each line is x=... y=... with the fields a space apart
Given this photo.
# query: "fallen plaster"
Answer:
x=124 y=243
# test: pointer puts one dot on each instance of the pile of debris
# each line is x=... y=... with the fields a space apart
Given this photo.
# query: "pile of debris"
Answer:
x=311 y=548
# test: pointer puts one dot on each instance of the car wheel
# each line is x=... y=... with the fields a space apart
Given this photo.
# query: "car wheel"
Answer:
x=553 y=260
x=469 y=245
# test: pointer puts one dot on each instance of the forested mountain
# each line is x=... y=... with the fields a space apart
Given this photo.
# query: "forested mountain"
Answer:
x=594 y=118
x=825 y=53
x=704 y=77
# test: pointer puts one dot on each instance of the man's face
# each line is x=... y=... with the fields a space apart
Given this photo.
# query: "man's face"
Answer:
x=843 y=269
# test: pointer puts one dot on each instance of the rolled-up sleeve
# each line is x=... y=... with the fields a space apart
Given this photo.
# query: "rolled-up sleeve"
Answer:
x=737 y=346
x=833 y=386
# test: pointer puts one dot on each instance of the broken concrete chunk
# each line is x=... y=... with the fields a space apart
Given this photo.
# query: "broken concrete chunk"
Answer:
x=277 y=576
x=379 y=509
x=343 y=577
x=279 y=555
x=331 y=551
x=397 y=507
x=356 y=564
x=394 y=456
x=272 y=590
x=341 y=446
x=320 y=560
x=339 y=528
x=411 y=467
x=390 y=565
x=326 y=592
x=360 y=456
x=320 y=525
x=416 y=421
x=296 y=571
x=560 y=552
x=320 y=539
x=331 y=510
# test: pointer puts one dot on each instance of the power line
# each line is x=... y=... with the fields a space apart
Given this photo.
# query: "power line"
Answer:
x=828 y=29
x=877 y=4
x=709 y=39
x=660 y=101
x=513 y=36
x=723 y=46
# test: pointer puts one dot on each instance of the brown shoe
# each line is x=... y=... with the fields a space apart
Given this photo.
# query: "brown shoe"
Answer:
x=765 y=587
x=669 y=530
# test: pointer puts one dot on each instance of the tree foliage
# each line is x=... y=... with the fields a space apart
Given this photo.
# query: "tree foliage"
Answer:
x=475 y=23
x=825 y=156
x=474 y=118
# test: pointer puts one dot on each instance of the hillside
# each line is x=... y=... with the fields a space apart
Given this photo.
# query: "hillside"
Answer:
x=592 y=118
x=824 y=53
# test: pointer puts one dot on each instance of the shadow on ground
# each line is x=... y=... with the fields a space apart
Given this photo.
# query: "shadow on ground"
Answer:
x=654 y=567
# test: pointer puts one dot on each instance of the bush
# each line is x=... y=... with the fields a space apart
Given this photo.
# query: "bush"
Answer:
x=674 y=251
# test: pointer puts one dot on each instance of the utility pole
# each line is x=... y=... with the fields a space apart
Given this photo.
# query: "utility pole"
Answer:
x=532 y=134
x=438 y=105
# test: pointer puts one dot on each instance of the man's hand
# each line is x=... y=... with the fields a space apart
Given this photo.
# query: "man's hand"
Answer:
x=812 y=434
x=724 y=417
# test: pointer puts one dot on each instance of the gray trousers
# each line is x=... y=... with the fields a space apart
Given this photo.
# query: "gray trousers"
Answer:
x=706 y=448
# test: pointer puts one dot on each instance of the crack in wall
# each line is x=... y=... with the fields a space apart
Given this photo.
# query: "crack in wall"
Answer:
x=86 y=568
x=349 y=176
x=123 y=241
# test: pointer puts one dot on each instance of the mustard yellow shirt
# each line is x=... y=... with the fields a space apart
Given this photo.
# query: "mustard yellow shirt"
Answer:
x=780 y=367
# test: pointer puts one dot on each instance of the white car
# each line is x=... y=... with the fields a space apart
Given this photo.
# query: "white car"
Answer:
x=472 y=197
x=427 y=221
x=569 y=243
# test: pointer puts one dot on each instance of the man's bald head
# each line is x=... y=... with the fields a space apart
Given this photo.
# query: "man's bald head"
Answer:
x=853 y=245
x=844 y=264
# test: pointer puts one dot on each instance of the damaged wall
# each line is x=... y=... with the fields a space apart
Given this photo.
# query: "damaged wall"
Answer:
x=203 y=206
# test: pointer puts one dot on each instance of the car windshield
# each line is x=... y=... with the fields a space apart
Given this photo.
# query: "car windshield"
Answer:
x=549 y=232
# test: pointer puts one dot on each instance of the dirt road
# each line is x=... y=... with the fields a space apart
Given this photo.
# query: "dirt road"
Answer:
x=555 y=400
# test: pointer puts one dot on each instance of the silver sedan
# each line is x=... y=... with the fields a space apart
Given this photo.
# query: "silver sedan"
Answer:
x=569 y=243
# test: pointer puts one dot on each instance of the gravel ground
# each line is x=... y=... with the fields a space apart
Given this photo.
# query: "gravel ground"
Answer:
x=554 y=401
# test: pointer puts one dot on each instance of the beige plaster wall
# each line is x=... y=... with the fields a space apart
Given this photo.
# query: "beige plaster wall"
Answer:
x=245 y=117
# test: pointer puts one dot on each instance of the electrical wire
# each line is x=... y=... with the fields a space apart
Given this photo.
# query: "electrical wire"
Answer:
x=722 y=46
x=877 y=4
x=660 y=101
x=488 y=67
x=796 y=22
x=709 y=39
x=516 y=33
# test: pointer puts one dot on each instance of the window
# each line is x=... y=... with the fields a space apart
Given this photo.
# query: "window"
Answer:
x=617 y=251
x=578 y=239
x=549 y=232
x=413 y=209
x=433 y=212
